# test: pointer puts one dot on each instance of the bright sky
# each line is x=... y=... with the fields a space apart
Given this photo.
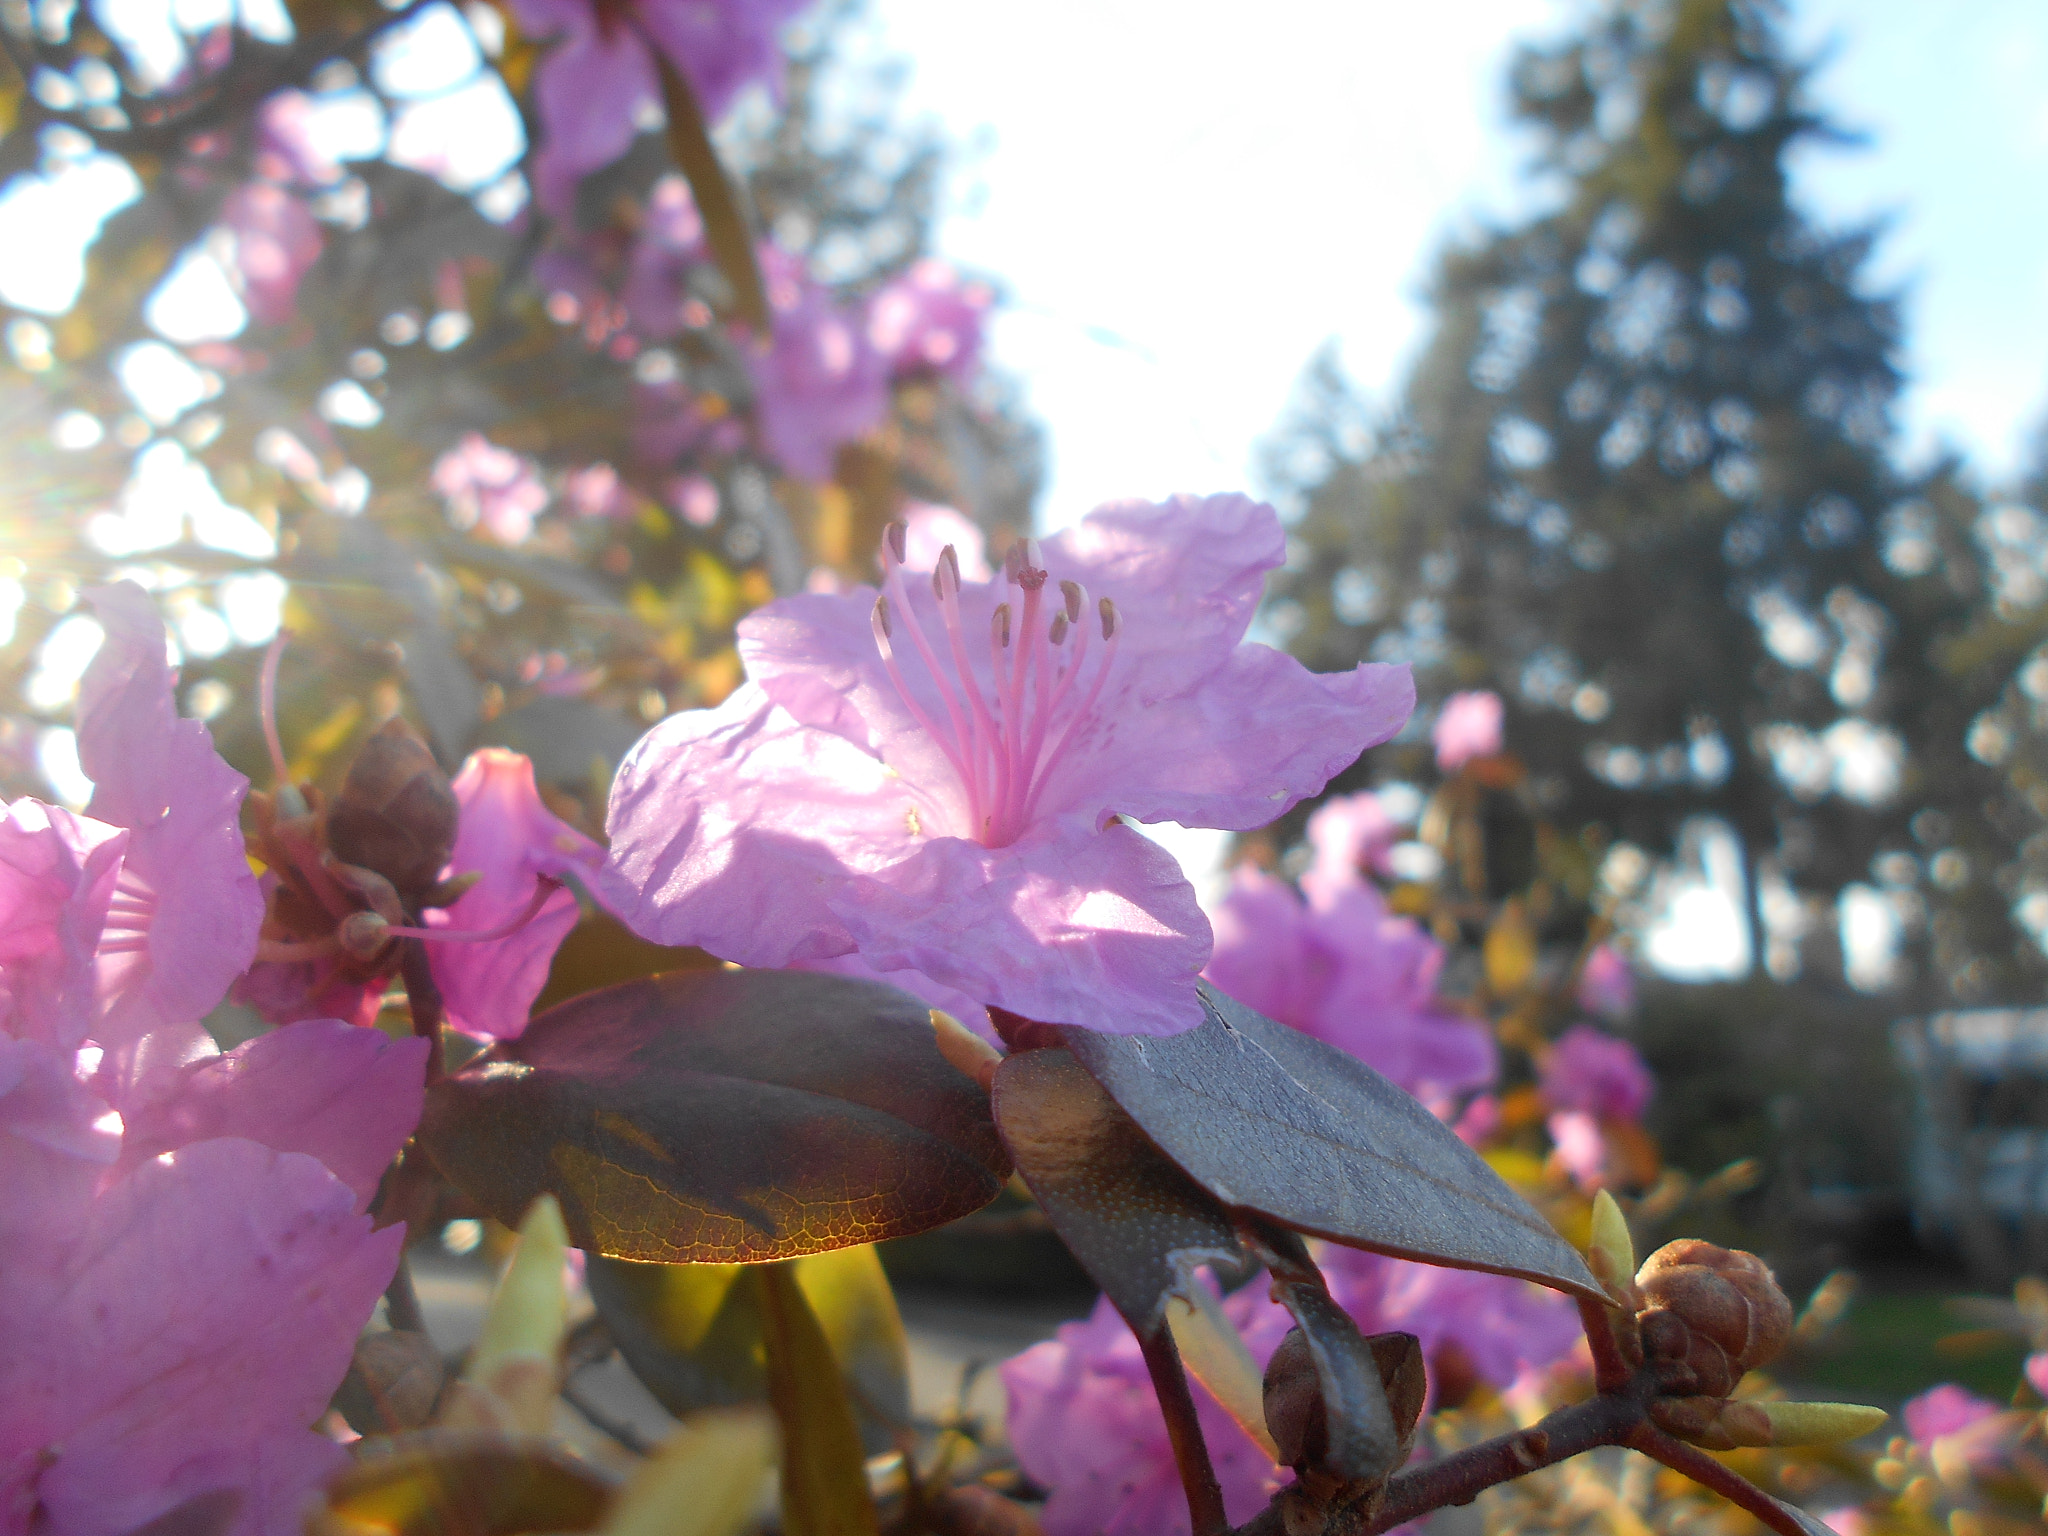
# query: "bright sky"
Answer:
x=1183 y=213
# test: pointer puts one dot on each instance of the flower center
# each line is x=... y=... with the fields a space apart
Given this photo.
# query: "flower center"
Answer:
x=1003 y=743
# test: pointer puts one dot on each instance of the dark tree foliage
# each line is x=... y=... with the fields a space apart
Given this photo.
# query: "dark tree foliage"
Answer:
x=1638 y=484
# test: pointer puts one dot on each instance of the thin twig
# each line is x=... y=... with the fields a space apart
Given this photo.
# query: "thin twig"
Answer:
x=1709 y=1473
x=402 y=1302
x=604 y=1422
x=1190 y=1453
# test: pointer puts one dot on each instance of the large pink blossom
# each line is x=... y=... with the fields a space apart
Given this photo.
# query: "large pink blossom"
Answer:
x=1351 y=973
x=175 y=1311
x=186 y=908
x=57 y=878
x=936 y=779
x=511 y=841
x=819 y=383
x=600 y=76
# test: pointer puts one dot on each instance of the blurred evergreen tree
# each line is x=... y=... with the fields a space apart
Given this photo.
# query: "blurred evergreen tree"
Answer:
x=1638 y=484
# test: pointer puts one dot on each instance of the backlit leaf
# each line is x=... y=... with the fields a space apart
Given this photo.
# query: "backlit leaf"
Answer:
x=447 y=1482
x=1135 y=1221
x=693 y=1334
x=824 y=1474
x=1269 y=1120
x=726 y=227
x=722 y=1117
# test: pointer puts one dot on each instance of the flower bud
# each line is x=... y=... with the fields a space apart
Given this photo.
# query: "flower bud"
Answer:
x=1710 y=1315
x=396 y=813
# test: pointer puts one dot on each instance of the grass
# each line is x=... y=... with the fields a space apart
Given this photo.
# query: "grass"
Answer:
x=1895 y=1344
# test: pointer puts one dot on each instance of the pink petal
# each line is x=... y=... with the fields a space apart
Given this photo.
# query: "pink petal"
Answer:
x=192 y=906
x=586 y=93
x=344 y=1095
x=511 y=839
x=723 y=45
x=920 y=986
x=198 y=1318
x=56 y=1140
x=1468 y=726
x=733 y=828
x=57 y=879
x=1068 y=926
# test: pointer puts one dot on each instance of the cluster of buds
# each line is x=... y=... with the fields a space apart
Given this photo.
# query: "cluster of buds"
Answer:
x=352 y=876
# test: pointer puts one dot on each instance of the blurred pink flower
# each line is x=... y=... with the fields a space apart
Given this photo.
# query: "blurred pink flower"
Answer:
x=958 y=813
x=491 y=488
x=1468 y=726
x=1607 y=986
x=186 y=907
x=1353 y=975
x=819 y=384
x=670 y=242
x=595 y=83
x=1085 y=1424
x=1579 y=1147
x=596 y=491
x=276 y=240
x=511 y=839
x=929 y=320
x=1944 y=1410
x=1596 y=1073
x=286 y=146
x=1348 y=834
x=930 y=529
x=2037 y=1372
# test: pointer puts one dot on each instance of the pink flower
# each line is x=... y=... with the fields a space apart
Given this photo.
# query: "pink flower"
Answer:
x=1468 y=726
x=1579 y=1147
x=186 y=908
x=596 y=491
x=489 y=487
x=936 y=780
x=930 y=530
x=1596 y=1073
x=2037 y=1372
x=170 y=1325
x=819 y=384
x=919 y=986
x=1607 y=986
x=1084 y=1423
x=1944 y=1410
x=57 y=876
x=287 y=145
x=929 y=320
x=277 y=240
x=596 y=81
x=1348 y=834
x=507 y=836
x=1499 y=1327
x=1353 y=975
x=670 y=243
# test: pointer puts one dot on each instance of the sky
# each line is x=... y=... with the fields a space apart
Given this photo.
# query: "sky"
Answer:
x=1182 y=214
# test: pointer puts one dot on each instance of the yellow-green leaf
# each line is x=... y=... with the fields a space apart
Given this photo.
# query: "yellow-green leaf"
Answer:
x=824 y=1476
x=701 y=1481
x=727 y=230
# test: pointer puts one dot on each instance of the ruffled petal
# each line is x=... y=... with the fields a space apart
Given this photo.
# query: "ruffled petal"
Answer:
x=347 y=1096
x=586 y=94
x=735 y=829
x=510 y=840
x=1070 y=925
x=196 y=1320
x=57 y=880
x=188 y=908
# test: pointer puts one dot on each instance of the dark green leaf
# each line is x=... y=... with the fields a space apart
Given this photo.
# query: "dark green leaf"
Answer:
x=443 y=1482
x=1361 y=1440
x=693 y=1334
x=1271 y=1121
x=727 y=230
x=1134 y=1220
x=824 y=1475
x=601 y=951
x=722 y=1117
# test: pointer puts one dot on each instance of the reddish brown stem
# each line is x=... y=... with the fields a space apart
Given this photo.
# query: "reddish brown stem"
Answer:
x=1726 y=1481
x=1611 y=1372
x=1184 y=1432
x=423 y=997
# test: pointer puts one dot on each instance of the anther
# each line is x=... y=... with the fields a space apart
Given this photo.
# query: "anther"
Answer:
x=881 y=618
x=949 y=562
x=1111 y=619
x=897 y=535
x=1031 y=574
x=1076 y=598
x=364 y=934
x=999 y=624
x=1057 y=630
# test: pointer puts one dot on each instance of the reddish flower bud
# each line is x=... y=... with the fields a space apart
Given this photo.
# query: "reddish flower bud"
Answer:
x=1711 y=1315
x=396 y=813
